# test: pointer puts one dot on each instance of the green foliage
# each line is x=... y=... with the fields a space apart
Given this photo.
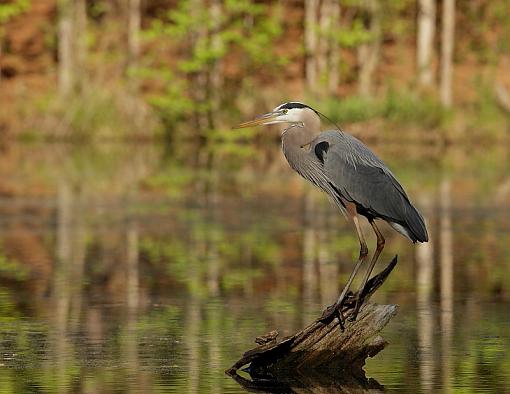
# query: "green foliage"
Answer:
x=8 y=311
x=173 y=180
x=398 y=107
x=204 y=37
x=410 y=108
x=11 y=269
x=188 y=259
x=395 y=18
x=99 y=113
x=351 y=109
x=490 y=119
x=13 y=9
x=353 y=35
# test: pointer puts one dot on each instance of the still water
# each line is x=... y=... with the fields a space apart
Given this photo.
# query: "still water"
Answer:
x=136 y=269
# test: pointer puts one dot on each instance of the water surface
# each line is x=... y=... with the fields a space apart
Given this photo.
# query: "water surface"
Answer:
x=129 y=268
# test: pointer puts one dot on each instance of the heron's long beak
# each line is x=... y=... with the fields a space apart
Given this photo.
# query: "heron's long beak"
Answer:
x=263 y=119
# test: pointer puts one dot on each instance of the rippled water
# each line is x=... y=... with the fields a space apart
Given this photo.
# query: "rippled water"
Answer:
x=130 y=269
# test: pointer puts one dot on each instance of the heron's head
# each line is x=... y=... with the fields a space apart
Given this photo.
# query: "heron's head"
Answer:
x=291 y=112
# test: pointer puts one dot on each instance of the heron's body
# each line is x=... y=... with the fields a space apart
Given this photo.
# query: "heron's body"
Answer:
x=348 y=171
x=353 y=177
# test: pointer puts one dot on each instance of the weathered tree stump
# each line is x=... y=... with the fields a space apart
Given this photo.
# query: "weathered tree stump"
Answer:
x=323 y=348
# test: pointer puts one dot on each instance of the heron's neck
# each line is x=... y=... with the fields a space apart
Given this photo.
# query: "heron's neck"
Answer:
x=297 y=137
x=294 y=140
x=300 y=135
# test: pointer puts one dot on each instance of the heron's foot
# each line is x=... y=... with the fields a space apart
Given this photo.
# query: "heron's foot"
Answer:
x=335 y=311
x=332 y=312
x=360 y=300
x=352 y=317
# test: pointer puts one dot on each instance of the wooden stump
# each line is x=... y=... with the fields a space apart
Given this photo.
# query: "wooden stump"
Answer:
x=323 y=348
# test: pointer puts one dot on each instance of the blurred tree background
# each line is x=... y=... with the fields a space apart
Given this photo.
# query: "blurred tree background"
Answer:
x=142 y=241
x=122 y=69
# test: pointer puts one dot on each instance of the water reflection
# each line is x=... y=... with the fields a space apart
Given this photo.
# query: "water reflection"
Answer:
x=447 y=260
x=310 y=382
x=123 y=268
x=424 y=296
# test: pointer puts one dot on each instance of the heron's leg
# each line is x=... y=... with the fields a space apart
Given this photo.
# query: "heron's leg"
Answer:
x=363 y=252
x=375 y=257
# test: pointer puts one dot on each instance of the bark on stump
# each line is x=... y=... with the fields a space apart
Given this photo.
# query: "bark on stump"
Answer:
x=322 y=351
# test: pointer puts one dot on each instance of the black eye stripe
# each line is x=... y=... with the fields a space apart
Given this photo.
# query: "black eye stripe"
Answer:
x=295 y=104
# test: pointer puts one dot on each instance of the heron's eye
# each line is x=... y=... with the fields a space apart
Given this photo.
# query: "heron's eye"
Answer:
x=285 y=111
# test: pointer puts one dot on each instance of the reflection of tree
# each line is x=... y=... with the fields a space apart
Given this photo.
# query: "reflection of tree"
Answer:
x=446 y=262
x=424 y=310
x=328 y=269
x=310 y=280
x=192 y=339
x=132 y=305
x=220 y=269
x=62 y=284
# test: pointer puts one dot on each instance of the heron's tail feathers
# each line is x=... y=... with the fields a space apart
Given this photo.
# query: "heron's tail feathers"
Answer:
x=414 y=226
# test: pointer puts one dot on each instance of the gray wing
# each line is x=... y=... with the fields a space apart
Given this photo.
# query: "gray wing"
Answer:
x=361 y=177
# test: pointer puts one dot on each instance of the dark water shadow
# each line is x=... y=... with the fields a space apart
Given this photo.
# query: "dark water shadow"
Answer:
x=313 y=381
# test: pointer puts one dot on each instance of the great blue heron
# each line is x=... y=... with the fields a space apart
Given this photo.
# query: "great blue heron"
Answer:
x=351 y=174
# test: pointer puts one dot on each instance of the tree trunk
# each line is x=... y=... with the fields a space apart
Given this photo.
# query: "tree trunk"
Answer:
x=334 y=57
x=65 y=47
x=502 y=96
x=323 y=41
x=134 y=25
x=447 y=43
x=327 y=53
x=80 y=42
x=215 y=71
x=368 y=53
x=1 y=46
x=311 y=7
x=425 y=41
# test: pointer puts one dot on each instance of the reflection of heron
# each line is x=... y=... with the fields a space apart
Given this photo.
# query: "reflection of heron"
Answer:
x=351 y=174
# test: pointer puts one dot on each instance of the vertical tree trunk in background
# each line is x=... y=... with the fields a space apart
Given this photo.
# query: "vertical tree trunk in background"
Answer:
x=334 y=65
x=425 y=41
x=80 y=41
x=323 y=42
x=134 y=25
x=72 y=45
x=65 y=47
x=1 y=46
x=311 y=7
x=447 y=43
x=368 y=53
x=199 y=80
x=215 y=74
x=327 y=54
